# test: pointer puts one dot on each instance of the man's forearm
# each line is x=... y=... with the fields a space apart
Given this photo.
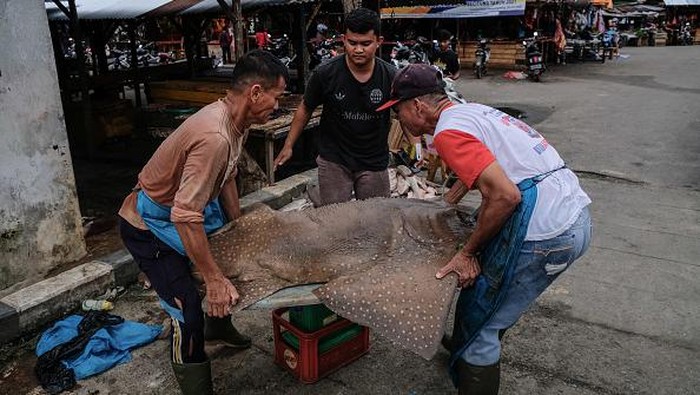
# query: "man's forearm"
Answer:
x=230 y=201
x=492 y=215
x=299 y=122
x=197 y=248
x=456 y=193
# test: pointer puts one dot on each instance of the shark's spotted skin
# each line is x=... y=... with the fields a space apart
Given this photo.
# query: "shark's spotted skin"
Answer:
x=378 y=258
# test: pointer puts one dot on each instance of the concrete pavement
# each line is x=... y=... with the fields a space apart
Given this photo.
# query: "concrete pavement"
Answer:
x=624 y=320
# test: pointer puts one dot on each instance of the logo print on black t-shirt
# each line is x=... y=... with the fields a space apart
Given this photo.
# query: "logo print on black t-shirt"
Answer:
x=339 y=96
x=375 y=97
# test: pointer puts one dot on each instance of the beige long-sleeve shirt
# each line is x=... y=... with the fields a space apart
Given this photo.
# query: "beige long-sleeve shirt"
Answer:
x=189 y=168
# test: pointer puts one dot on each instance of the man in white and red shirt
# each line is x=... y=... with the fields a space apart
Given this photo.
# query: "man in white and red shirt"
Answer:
x=532 y=224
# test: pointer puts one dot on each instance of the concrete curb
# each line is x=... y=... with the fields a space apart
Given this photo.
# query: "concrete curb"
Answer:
x=30 y=308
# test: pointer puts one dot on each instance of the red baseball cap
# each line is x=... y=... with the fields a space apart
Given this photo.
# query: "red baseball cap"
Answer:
x=412 y=81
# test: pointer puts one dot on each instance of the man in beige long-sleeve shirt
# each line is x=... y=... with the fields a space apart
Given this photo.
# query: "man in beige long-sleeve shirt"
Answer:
x=186 y=191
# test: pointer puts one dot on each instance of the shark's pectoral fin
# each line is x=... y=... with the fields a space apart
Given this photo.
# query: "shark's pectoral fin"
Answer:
x=253 y=291
x=400 y=300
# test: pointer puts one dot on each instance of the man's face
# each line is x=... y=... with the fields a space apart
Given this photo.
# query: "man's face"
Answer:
x=360 y=48
x=265 y=101
x=444 y=45
x=411 y=117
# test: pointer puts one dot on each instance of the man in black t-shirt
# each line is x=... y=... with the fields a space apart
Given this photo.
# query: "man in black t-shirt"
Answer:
x=446 y=59
x=353 y=147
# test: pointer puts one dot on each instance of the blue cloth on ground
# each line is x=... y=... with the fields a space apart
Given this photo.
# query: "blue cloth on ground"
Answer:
x=174 y=312
x=157 y=217
x=107 y=347
x=478 y=303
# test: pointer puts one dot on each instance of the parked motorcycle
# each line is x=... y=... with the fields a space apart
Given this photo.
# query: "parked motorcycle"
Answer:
x=279 y=46
x=481 y=58
x=118 y=60
x=534 y=61
x=324 y=51
x=609 y=40
x=403 y=55
x=650 y=32
x=70 y=53
x=685 y=37
x=148 y=56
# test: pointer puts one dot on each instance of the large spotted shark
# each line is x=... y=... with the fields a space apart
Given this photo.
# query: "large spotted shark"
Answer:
x=377 y=260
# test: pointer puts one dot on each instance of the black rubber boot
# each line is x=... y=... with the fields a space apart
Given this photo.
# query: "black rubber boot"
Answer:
x=222 y=330
x=478 y=380
x=194 y=378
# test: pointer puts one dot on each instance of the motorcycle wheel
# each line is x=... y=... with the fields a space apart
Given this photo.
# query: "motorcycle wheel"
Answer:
x=478 y=73
x=536 y=78
x=605 y=55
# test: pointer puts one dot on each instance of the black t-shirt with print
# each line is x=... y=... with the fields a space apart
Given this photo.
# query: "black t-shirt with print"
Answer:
x=448 y=61
x=352 y=133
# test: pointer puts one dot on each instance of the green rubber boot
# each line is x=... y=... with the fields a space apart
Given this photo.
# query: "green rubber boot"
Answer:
x=478 y=380
x=194 y=378
x=222 y=330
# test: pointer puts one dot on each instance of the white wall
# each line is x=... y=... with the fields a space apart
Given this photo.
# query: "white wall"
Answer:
x=40 y=224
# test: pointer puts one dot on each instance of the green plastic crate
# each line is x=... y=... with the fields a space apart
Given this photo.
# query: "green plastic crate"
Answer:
x=311 y=318
x=327 y=342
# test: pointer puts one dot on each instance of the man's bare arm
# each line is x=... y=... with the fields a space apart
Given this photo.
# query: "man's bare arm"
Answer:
x=229 y=199
x=456 y=193
x=221 y=294
x=299 y=122
x=499 y=197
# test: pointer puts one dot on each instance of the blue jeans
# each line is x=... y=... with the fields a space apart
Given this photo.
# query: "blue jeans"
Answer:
x=538 y=265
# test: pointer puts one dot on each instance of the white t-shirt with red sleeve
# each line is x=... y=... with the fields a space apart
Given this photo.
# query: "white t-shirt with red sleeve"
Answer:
x=469 y=137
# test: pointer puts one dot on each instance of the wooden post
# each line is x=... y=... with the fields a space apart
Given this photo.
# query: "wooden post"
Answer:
x=134 y=64
x=192 y=32
x=187 y=36
x=198 y=38
x=79 y=50
x=302 y=53
x=86 y=113
x=235 y=15
x=100 y=36
x=239 y=29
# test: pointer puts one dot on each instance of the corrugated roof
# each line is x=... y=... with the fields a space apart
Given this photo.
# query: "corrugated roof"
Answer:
x=106 y=9
x=130 y=9
x=171 y=8
x=212 y=6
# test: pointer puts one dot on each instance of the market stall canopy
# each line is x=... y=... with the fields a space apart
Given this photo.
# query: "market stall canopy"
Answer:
x=212 y=6
x=172 y=8
x=105 y=9
x=131 y=9
x=677 y=3
x=634 y=11
x=467 y=9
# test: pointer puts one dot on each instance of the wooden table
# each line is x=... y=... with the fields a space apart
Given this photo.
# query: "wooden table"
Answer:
x=277 y=129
